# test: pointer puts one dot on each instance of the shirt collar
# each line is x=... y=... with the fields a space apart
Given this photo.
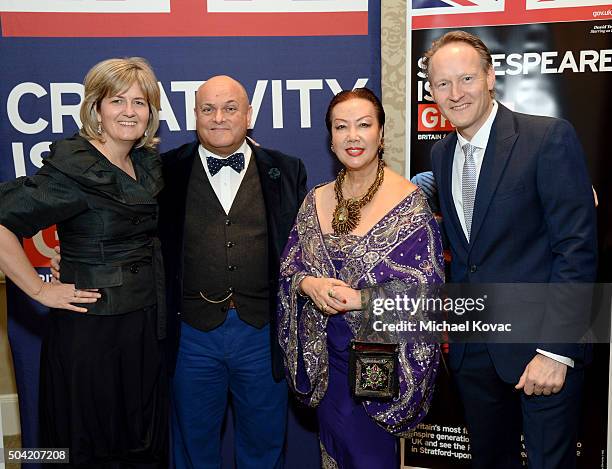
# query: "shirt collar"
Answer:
x=481 y=138
x=244 y=148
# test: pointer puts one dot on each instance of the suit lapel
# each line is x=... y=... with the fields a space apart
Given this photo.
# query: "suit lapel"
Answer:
x=446 y=189
x=270 y=179
x=501 y=140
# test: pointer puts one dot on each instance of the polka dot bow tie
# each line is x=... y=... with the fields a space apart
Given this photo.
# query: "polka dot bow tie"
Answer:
x=235 y=161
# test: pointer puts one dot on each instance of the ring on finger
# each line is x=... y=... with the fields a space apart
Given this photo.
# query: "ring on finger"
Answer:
x=330 y=293
x=76 y=293
x=324 y=308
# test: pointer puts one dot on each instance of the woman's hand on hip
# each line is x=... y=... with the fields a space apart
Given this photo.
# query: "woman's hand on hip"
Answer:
x=65 y=296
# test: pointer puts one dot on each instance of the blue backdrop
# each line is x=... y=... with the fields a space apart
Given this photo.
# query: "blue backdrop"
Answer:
x=289 y=78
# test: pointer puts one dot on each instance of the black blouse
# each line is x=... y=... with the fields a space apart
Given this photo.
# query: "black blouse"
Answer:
x=106 y=221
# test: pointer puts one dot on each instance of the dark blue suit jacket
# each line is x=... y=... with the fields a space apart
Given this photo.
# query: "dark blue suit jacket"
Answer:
x=283 y=184
x=534 y=219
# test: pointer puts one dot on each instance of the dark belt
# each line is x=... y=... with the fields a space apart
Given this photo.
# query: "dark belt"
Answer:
x=124 y=288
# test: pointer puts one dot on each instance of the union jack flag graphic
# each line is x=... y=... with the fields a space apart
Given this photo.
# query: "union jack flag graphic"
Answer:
x=428 y=14
x=278 y=6
x=86 y=6
x=438 y=7
x=537 y=4
x=182 y=18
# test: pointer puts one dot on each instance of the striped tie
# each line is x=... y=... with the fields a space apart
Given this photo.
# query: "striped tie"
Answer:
x=468 y=186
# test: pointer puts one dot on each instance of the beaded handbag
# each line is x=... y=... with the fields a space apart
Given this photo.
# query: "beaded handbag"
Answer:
x=373 y=370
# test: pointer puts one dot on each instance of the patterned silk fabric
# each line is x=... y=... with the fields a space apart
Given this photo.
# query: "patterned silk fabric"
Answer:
x=403 y=246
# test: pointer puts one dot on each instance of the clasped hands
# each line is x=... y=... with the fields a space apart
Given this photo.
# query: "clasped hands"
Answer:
x=330 y=295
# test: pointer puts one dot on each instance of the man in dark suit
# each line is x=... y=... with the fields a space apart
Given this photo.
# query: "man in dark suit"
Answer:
x=225 y=215
x=517 y=206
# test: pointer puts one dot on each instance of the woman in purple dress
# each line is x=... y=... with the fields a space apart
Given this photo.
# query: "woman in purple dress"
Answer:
x=356 y=239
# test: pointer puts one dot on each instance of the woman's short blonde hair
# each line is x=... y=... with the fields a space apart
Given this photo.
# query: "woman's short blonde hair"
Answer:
x=114 y=76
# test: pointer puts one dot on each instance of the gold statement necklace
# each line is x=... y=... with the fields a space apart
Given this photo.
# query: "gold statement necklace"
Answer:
x=348 y=211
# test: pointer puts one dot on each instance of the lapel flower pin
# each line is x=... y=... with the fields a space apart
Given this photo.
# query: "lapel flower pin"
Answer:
x=274 y=173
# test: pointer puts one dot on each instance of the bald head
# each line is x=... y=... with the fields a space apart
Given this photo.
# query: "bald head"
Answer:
x=223 y=115
x=222 y=83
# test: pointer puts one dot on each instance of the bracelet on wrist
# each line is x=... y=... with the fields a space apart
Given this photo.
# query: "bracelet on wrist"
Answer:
x=365 y=298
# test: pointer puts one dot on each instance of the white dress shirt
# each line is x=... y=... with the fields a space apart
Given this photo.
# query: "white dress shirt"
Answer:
x=480 y=140
x=227 y=181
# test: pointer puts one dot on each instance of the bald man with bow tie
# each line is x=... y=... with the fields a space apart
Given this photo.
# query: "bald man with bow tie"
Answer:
x=225 y=215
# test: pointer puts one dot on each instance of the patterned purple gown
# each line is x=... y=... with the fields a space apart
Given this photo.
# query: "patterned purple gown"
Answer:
x=403 y=247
